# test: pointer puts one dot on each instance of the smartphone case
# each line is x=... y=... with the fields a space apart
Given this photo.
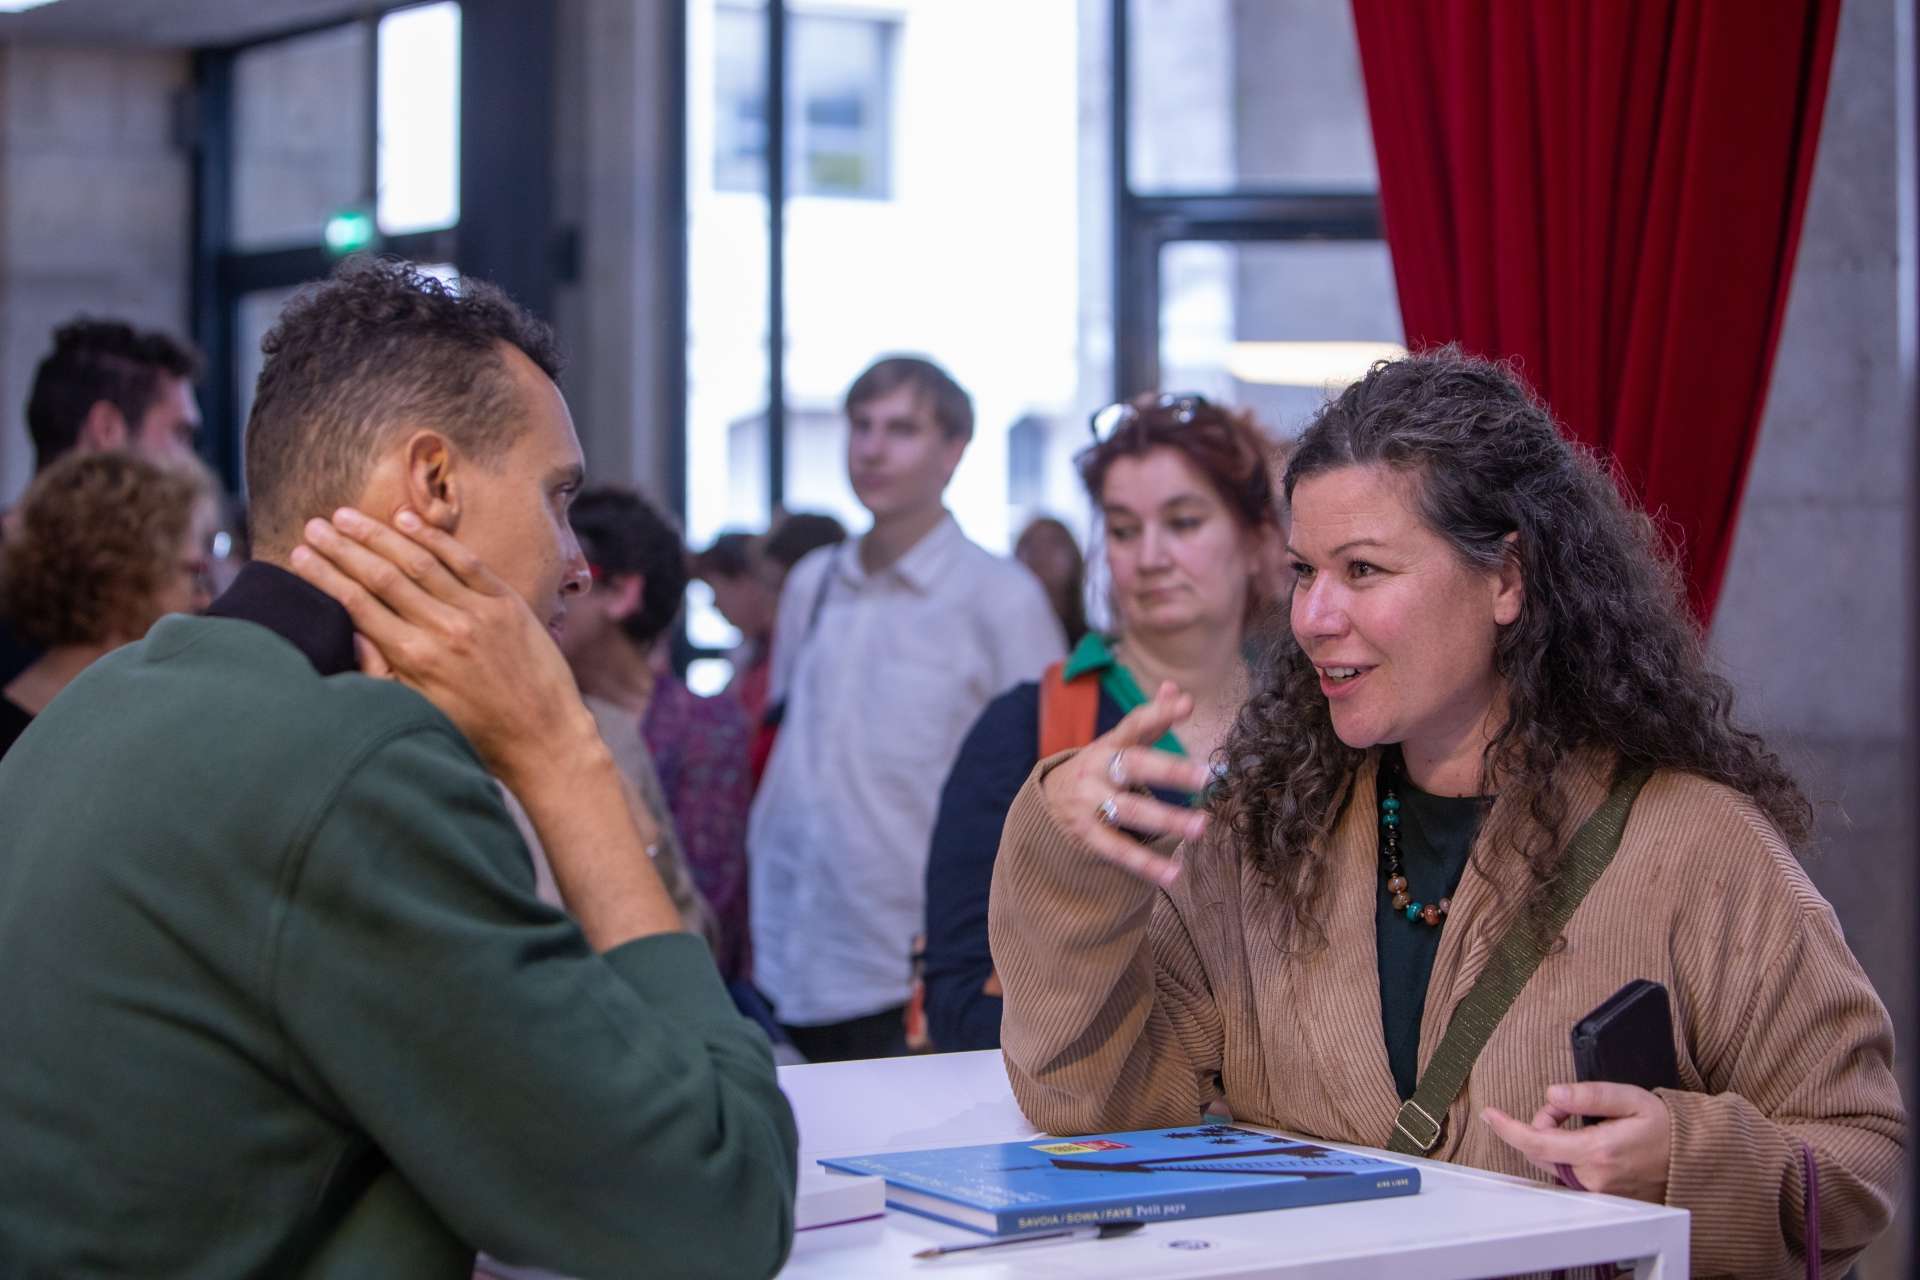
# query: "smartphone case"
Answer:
x=1628 y=1039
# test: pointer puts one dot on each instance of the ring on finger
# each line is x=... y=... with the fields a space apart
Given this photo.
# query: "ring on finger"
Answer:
x=1109 y=811
x=1117 y=769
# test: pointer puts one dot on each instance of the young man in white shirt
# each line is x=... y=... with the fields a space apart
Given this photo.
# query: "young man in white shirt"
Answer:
x=885 y=651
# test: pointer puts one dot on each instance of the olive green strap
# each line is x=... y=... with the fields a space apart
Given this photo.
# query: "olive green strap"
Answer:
x=1417 y=1129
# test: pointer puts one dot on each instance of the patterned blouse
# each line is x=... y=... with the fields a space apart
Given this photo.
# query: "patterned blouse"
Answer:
x=699 y=746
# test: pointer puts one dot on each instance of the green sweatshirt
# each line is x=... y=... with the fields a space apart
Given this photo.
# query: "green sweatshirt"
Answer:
x=279 y=999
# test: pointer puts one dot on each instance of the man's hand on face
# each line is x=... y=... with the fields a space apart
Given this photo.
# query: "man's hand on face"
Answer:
x=432 y=616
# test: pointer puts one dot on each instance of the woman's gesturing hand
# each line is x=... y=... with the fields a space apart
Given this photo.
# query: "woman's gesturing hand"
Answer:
x=1624 y=1154
x=1096 y=793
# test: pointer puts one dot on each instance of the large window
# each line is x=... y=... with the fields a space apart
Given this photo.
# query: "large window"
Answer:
x=1063 y=203
x=930 y=198
x=333 y=140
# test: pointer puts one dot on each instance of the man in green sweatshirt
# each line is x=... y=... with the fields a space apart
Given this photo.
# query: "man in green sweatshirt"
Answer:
x=280 y=998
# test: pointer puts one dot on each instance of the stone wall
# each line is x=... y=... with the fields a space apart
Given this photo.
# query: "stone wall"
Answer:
x=612 y=152
x=95 y=208
x=1813 y=620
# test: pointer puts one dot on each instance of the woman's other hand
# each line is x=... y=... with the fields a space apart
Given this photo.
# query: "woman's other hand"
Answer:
x=1094 y=795
x=1621 y=1150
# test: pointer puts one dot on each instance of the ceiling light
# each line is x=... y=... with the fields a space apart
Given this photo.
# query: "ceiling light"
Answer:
x=1307 y=364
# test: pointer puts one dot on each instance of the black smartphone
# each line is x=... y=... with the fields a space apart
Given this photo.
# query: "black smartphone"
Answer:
x=1628 y=1039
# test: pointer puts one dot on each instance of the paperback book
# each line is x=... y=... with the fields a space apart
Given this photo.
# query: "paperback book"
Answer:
x=1152 y=1175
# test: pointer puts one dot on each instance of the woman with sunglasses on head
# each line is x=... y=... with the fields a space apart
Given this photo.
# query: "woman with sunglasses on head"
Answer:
x=1185 y=498
x=1492 y=745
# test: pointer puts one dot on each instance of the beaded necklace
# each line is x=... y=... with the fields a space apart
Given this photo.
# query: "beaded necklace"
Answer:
x=1430 y=913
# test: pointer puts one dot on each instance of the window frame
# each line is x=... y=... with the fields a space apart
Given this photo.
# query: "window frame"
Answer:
x=222 y=273
x=1145 y=223
x=505 y=149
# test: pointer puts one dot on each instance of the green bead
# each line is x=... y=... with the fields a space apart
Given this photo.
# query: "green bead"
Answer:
x=1390 y=804
x=1390 y=819
x=1413 y=911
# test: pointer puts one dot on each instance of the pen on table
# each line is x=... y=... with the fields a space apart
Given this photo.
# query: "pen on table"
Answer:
x=1106 y=1231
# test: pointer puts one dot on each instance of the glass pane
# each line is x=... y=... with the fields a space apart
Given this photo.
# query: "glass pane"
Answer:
x=839 y=102
x=420 y=119
x=299 y=136
x=1227 y=94
x=738 y=64
x=984 y=248
x=1275 y=326
x=726 y=422
x=935 y=210
x=839 y=107
x=257 y=312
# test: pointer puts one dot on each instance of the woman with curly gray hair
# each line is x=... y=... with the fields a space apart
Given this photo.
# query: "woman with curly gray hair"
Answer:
x=1489 y=659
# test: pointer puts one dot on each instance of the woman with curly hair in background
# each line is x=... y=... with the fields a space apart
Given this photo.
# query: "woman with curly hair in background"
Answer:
x=1486 y=642
x=102 y=546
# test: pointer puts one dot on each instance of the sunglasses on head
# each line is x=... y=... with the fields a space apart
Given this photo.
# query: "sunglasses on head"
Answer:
x=1179 y=407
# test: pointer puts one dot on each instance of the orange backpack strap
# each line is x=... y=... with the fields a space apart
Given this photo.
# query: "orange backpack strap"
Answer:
x=1069 y=710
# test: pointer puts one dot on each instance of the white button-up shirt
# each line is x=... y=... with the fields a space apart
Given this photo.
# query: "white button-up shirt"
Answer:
x=879 y=693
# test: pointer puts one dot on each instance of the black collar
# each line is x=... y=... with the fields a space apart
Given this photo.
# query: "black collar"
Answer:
x=301 y=614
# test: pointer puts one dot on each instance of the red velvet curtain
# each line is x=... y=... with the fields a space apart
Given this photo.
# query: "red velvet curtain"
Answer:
x=1609 y=192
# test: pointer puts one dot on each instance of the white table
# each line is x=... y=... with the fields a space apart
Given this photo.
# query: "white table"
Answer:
x=1464 y=1223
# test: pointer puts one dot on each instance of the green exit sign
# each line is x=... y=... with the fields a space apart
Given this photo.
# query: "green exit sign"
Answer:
x=349 y=231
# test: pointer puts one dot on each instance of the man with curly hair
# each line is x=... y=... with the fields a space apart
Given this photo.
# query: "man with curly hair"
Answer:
x=289 y=1004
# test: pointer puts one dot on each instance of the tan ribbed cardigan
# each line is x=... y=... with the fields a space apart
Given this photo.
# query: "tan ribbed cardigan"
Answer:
x=1132 y=1007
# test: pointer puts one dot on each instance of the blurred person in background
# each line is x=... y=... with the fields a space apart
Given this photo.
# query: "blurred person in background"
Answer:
x=792 y=537
x=612 y=637
x=103 y=546
x=746 y=592
x=885 y=651
x=796 y=534
x=1190 y=531
x=106 y=385
x=1047 y=547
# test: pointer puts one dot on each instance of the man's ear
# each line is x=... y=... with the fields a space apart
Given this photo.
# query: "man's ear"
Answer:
x=104 y=427
x=432 y=485
x=1509 y=588
x=624 y=593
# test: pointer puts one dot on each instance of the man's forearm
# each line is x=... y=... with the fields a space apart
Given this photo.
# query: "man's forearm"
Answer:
x=596 y=845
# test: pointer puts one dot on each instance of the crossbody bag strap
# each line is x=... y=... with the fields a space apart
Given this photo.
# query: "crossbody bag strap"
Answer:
x=1069 y=711
x=1417 y=1129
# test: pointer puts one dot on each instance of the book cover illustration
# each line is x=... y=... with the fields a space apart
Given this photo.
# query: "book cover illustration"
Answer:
x=1149 y=1175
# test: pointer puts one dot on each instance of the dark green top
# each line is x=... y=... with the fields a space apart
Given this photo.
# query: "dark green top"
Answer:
x=280 y=1000
x=1436 y=836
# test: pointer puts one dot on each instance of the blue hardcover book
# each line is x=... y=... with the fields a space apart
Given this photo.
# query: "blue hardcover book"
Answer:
x=1154 y=1175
